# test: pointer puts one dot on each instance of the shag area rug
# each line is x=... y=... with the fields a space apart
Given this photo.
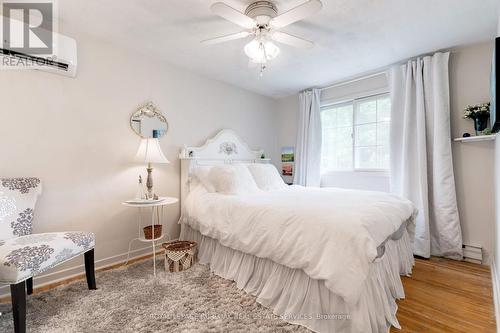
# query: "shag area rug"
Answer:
x=129 y=299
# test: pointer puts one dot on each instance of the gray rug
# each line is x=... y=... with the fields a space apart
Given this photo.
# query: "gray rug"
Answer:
x=130 y=300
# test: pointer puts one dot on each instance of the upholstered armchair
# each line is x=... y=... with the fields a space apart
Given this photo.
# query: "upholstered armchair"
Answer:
x=23 y=254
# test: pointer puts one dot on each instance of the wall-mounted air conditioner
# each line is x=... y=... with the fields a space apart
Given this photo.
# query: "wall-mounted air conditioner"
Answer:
x=63 y=59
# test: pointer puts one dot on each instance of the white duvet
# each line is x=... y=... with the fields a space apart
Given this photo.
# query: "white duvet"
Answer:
x=331 y=234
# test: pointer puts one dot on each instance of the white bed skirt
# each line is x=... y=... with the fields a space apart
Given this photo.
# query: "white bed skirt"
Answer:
x=298 y=299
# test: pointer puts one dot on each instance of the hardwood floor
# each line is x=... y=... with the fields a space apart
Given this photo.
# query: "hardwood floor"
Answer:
x=447 y=296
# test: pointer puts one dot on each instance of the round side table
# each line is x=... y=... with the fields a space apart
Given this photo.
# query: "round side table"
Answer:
x=156 y=211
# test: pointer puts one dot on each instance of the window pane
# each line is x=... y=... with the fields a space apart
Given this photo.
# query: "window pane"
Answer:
x=344 y=159
x=344 y=116
x=363 y=144
x=366 y=135
x=383 y=134
x=328 y=163
x=366 y=157
x=329 y=137
x=344 y=137
x=367 y=112
x=328 y=118
x=384 y=109
x=382 y=157
x=344 y=148
x=336 y=152
x=328 y=148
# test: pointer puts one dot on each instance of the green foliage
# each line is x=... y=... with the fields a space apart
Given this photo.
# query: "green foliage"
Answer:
x=486 y=131
x=474 y=111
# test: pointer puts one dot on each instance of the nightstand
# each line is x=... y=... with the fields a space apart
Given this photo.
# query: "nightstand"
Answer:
x=156 y=211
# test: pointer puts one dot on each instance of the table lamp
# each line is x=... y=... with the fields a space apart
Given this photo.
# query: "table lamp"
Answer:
x=150 y=152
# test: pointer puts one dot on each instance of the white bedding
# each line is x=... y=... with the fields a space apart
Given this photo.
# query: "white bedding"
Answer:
x=331 y=234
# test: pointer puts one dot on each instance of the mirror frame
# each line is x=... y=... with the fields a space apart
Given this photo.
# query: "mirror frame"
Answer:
x=144 y=110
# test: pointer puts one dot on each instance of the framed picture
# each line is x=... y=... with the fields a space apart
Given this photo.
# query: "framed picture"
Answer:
x=287 y=169
x=287 y=154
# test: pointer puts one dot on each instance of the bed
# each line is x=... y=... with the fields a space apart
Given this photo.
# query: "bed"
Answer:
x=327 y=259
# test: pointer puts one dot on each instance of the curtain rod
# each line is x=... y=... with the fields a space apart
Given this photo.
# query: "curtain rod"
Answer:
x=382 y=71
x=343 y=83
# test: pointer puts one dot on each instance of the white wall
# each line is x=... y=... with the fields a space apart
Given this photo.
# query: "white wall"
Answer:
x=74 y=134
x=470 y=69
x=496 y=261
x=287 y=111
x=473 y=162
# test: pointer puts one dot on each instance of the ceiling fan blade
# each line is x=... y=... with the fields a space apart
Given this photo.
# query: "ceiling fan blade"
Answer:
x=296 y=14
x=231 y=14
x=226 y=38
x=288 y=39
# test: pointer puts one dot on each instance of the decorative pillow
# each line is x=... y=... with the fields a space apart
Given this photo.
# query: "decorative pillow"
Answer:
x=266 y=177
x=17 y=203
x=232 y=179
x=201 y=174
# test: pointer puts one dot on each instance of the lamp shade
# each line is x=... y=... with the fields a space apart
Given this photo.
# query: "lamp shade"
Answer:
x=150 y=152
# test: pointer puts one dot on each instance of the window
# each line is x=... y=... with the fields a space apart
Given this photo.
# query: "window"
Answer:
x=356 y=135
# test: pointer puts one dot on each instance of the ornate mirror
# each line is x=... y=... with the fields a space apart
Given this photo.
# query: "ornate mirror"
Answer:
x=149 y=122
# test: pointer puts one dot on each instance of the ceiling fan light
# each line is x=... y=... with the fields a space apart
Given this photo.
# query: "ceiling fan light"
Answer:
x=260 y=52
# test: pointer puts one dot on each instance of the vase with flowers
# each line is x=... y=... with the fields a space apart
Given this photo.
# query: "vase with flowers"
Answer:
x=480 y=113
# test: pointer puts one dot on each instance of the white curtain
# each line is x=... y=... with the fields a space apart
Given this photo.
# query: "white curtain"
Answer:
x=308 y=148
x=421 y=160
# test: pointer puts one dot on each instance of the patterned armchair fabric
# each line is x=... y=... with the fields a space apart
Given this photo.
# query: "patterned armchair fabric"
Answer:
x=27 y=256
x=18 y=197
x=22 y=254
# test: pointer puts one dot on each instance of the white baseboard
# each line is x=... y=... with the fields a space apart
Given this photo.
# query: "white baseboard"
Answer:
x=496 y=292
x=67 y=273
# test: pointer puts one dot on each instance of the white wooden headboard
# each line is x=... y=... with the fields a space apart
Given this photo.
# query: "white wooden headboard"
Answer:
x=224 y=148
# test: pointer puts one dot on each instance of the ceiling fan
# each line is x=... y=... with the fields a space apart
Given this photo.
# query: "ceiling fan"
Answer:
x=261 y=20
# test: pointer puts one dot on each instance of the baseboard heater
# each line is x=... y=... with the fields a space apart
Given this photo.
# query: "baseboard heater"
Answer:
x=472 y=253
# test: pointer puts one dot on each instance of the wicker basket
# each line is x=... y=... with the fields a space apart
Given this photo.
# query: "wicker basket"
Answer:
x=148 y=231
x=179 y=255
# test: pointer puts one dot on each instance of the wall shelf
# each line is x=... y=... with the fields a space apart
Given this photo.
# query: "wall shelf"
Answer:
x=476 y=138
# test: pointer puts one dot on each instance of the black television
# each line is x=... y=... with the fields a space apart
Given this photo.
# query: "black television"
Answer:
x=494 y=107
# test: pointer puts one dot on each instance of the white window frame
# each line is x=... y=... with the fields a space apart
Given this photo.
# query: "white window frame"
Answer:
x=355 y=107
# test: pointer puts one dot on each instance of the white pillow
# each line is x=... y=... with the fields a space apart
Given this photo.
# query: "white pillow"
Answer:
x=201 y=174
x=267 y=177
x=232 y=179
